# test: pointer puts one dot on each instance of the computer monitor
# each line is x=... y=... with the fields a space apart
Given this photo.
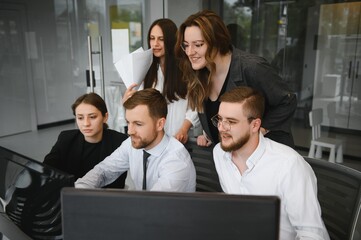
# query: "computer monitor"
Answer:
x=30 y=197
x=121 y=214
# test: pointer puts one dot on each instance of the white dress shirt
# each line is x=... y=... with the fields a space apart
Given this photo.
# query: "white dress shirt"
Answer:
x=178 y=111
x=276 y=169
x=170 y=167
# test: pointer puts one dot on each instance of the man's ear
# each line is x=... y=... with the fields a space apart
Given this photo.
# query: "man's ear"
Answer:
x=256 y=124
x=161 y=123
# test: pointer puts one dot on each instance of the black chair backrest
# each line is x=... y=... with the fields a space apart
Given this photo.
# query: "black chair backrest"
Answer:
x=31 y=191
x=207 y=177
x=339 y=193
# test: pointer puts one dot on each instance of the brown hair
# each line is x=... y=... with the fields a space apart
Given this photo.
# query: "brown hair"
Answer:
x=174 y=87
x=253 y=101
x=152 y=98
x=217 y=39
x=92 y=99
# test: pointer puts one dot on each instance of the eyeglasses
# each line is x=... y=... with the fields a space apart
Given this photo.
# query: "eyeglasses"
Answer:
x=217 y=121
x=196 y=46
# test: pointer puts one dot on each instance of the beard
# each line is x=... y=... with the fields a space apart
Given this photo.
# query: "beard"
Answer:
x=139 y=143
x=235 y=145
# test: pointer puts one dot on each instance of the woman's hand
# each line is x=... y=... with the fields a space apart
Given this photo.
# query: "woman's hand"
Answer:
x=203 y=141
x=129 y=92
x=182 y=134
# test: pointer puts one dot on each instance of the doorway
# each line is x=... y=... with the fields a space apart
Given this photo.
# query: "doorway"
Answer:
x=337 y=88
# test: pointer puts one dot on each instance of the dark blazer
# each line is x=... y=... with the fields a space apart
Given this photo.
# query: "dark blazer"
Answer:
x=253 y=71
x=66 y=153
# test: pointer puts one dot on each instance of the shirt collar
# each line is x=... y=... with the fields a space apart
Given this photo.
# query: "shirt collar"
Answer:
x=255 y=156
x=258 y=153
x=160 y=147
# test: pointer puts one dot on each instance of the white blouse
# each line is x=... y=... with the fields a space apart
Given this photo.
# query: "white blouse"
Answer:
x=178 y=111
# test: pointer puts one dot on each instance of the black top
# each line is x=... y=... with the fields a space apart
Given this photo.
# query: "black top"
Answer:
x=90 y=156
x=211 y=109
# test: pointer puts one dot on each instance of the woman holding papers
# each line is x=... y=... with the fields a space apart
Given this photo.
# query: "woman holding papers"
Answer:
x=165 y=76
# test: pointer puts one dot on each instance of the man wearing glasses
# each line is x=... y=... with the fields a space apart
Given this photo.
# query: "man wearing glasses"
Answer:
x=248 y=163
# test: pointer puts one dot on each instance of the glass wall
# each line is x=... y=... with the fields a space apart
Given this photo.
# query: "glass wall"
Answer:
x=47 y=49
x=45 y=54
x=102 y=31
x=337 y=84
x=315 y=45
x=16 y=95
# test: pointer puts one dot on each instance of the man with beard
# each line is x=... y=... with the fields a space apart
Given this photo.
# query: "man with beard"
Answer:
x=248 y=163
x=168 y=166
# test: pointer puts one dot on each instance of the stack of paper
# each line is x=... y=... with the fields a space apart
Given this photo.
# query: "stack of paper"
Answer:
x=132 y=67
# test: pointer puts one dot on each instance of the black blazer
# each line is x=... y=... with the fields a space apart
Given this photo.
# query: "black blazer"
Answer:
x=66 y=153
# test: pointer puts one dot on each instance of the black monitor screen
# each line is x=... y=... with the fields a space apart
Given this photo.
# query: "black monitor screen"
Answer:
x=120 y=214
x=30 y=196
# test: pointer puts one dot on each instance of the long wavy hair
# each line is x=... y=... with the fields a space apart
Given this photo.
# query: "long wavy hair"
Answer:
x=218 y=40
x=174 y=87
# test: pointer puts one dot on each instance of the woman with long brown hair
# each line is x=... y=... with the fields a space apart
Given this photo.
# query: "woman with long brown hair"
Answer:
x=212 y=66
x=165 y=76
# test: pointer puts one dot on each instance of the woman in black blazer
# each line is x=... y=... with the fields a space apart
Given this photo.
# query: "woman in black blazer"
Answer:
x=78 y=151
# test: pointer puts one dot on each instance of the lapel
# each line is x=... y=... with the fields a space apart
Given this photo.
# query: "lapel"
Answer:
x=236 y=73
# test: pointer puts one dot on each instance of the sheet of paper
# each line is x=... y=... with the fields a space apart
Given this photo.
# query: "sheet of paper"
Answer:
x=133 y=67
x=120 y=43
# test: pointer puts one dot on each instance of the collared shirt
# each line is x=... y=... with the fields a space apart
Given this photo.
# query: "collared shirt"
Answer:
x=276 y=169
x=170 y=167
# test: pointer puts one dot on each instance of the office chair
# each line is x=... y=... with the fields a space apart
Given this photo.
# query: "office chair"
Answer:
x=32 y=193
x=207 y=177
x=339 y=195
x=318 y=142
